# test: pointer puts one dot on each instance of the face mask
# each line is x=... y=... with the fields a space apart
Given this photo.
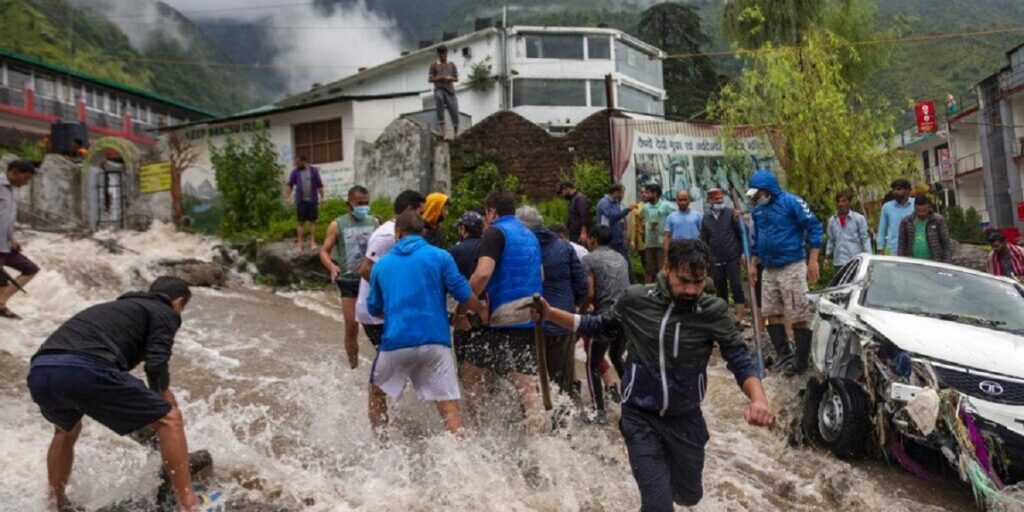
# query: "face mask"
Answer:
x=360 y=212
x=718 y=206
x=763 y=200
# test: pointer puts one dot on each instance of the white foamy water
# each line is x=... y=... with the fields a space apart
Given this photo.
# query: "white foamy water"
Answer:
x=264 y=386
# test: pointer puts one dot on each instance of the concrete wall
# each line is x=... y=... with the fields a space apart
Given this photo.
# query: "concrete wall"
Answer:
x=403 y=157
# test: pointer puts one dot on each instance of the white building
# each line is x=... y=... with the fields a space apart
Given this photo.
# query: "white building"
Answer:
x=555 y=77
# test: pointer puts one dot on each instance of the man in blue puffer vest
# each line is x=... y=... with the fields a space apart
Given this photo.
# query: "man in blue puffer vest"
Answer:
x=783 y=226
x=509 y=271
x=407 y=289
x=671 y=328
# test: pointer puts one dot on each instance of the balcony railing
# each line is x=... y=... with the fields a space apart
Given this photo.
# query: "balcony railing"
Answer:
x=966 y=164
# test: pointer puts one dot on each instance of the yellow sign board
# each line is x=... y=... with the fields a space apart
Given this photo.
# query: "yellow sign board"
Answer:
x=155 y=178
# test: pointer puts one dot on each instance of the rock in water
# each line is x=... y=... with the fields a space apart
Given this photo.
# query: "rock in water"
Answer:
x=196 y=272
x=283 y=266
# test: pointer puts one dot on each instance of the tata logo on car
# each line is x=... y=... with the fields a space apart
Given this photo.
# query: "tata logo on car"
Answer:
x=991 y=388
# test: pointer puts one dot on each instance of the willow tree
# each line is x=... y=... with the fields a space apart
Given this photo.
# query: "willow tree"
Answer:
x=825 y=137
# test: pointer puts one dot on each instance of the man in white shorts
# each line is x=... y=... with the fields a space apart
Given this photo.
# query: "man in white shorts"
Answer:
x=408 y=289
x=380 y=243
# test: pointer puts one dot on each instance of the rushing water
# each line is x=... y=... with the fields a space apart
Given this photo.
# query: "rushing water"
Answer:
x=264 y=387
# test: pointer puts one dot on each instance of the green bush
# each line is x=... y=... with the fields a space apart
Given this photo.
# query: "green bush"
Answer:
x=973 y=231
x=382 y=207
x=955 y=222
x=471 y=191
x=555 y=210
x=592 y=178
x=249 y=179
x=29 y=150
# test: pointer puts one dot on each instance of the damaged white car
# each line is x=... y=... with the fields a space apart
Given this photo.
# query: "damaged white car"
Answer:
x=922 y=363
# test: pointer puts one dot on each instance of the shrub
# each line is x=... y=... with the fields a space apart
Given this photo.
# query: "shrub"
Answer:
x=592 y=178
x=554 y=209
x=383 y=207
x=249 y=179
x=471 y=191
x=973 y=231
x=955 y=222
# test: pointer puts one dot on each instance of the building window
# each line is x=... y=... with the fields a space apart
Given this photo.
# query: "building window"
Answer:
x=637 y=64
x=554 y=47
x=549 y=93
x=599 y=48
x=598 y=94
x=633 y=99
x=18 y=78
x=319 y=142
x=45 y=87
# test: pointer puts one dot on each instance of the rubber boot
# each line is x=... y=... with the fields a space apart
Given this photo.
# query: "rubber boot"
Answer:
x=783 y=354
x=803 y=351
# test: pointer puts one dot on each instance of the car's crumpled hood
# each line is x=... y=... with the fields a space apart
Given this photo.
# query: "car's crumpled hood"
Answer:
x=972 y=346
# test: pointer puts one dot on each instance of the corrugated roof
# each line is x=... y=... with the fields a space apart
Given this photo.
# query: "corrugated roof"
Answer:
x=34 y=61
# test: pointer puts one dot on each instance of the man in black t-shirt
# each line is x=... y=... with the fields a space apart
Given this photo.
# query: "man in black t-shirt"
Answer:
x=579 y=212
x=509 y=271
x=470 y=227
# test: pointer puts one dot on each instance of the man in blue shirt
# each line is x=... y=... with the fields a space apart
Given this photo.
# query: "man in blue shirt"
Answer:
x=783 y=226
x=893 y=212
x=407 y=289
x=683 y=224
x=611 y=213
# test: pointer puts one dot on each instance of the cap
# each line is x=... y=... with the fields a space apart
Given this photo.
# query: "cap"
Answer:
x=471 y=219
x=751 y=192
x=715 y=192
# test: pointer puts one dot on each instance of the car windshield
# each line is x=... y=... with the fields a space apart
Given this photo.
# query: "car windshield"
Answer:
x=945 y=293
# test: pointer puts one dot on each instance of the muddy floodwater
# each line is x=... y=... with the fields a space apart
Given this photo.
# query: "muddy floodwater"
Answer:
x=264 y=387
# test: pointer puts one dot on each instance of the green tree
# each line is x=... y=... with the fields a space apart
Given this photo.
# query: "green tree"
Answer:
x=249 y=179
x=676 y=29
x=590 y=177
x=821 y=132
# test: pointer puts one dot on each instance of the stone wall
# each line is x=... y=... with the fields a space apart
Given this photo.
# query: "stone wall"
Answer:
x=524 y=149
x=405 y=156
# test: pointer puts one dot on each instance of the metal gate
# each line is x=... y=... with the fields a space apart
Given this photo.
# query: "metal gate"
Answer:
x=110 y=196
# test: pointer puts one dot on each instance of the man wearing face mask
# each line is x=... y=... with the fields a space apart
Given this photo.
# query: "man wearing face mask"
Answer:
x=341 y=254
x=671 y=328
x=783 y=225
x=720 y=229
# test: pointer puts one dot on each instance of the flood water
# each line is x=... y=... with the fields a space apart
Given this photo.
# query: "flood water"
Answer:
x=264 y=387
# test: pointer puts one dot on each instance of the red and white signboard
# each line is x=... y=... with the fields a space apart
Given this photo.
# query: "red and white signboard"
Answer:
x=926 y=122
x=945 y=164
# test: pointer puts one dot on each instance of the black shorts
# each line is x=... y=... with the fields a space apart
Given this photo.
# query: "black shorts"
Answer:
x=503 y=351
x=19 y=262
x=348 y=289
x=306 y=211
x=69 y=386
x=374 y=332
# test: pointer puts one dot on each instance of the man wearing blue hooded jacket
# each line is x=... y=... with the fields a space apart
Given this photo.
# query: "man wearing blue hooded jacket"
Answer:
x=783 y=226
x=407 y=289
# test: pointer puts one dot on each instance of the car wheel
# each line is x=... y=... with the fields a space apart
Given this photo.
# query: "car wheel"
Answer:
x=809 y=421
x=842 y=418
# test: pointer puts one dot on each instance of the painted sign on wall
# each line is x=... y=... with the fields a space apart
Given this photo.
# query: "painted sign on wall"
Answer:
x=155 y=178
x=926 y=122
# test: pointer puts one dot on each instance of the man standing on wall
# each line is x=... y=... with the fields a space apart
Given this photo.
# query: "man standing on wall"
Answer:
x=443 y=75
x=307 y=190
x=342 y=252
x=579 y=212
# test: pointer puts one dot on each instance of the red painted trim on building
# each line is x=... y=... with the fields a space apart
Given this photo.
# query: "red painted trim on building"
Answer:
x=110 y=132
x=38 y=116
